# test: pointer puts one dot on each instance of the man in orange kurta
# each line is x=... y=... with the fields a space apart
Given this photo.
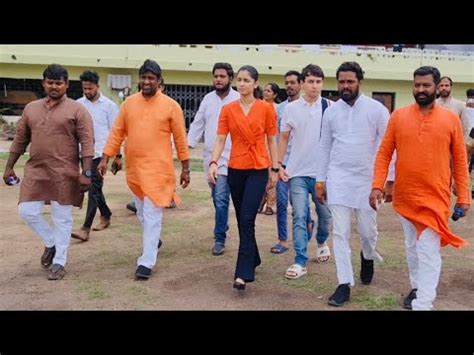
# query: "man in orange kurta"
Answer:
x=147 y=120
x=425 y=136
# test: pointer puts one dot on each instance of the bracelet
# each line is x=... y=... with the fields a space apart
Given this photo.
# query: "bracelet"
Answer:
x=212 y=162
x=282 y=165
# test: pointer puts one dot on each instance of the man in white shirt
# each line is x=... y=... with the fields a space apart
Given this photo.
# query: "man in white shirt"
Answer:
x=293 y=87
x=302 y=120
x=205 y=122
x=103 y=112
x=352 y=131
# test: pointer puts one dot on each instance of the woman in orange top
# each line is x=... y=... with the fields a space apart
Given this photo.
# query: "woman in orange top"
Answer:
x=248 y=121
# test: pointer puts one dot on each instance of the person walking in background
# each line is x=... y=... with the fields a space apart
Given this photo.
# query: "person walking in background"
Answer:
x=446 y=100
x=103 y=112
x=205 y=122
x=470 y=140
x=268 y=204
x=293 y=87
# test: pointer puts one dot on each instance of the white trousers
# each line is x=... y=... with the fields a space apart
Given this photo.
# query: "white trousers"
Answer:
x=367 y=227
x=424 y=263
x=60 y=235
x=150 y=217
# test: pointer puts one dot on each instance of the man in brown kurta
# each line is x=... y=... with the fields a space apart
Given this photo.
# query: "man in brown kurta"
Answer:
x=54 y=125
x=147 y=120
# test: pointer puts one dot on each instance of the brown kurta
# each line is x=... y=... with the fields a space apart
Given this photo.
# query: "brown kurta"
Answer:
x=147 y=125
x=52 y=172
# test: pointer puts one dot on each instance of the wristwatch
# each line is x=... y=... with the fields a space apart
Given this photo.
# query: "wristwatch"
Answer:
x=275 y=170
x=87 y=173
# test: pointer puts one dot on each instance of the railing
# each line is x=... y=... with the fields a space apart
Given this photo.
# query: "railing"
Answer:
x=335 y=49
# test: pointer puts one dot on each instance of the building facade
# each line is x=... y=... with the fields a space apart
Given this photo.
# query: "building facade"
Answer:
x=186 y=68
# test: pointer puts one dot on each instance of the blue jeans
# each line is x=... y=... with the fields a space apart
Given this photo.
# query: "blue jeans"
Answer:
x=220 y=198
x=282 y=190
x=300 y=187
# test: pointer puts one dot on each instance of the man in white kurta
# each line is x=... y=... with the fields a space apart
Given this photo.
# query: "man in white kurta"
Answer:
x=205 y=122
x=352 y=130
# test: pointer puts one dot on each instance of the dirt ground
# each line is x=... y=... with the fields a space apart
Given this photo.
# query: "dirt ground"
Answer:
x=187 y=277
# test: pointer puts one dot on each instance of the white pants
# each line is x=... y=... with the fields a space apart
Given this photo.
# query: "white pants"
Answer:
x=367 y=226
x=60 y=235
x=150 y=217
x=424 y=263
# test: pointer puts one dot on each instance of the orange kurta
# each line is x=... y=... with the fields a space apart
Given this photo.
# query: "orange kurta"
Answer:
x=249 y=147
x=422 y=190
x=147 y=125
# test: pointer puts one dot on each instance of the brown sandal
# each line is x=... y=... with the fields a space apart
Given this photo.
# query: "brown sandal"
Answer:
x=269 y=211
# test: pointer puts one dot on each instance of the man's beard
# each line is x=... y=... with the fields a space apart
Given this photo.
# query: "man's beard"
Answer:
x=444 y=94
x=347 y=95
x=223 y=89
x=425 y=101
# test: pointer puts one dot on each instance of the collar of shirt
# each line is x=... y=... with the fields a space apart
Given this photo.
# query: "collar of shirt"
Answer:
x=99 y=100
x=229 y=95
x=357 y=102
x=311 y=104
x=48 y=101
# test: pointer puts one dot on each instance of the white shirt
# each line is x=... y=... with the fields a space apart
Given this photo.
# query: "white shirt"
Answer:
x=303 y=121
x=206 y=121
x=104 y=112
x=280 y=110
x=349 y=142
x=470 y=112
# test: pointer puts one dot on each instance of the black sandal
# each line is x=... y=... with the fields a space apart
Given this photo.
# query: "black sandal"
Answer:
x=239 y=285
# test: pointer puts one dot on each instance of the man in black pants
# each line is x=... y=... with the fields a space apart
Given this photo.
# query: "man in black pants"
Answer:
x=103 y=112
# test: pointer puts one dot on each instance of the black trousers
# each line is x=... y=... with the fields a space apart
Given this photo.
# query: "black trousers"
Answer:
x=96 y=197
x=247 y=188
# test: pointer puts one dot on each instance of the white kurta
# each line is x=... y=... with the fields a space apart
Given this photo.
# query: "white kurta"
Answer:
x=205 y=122
x=346 y=154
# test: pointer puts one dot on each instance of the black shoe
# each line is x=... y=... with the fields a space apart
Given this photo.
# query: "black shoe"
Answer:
x=218 y=249
x=57 y=272
x=142 y=273
x=47 y=257
x=131 y=207
x=160 y=243
x=340 y=296
x=408 y=299
x=366 y=270
x=239 y=285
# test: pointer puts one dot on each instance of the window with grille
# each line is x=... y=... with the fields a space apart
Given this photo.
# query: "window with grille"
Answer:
x=189 y=98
